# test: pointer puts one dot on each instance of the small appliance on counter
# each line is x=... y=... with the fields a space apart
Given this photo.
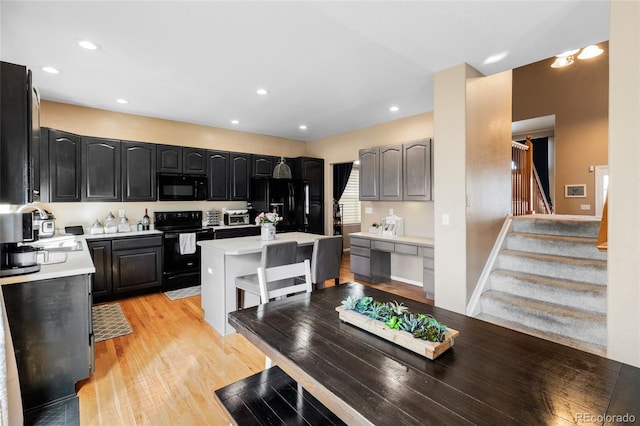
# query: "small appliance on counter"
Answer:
x=393 y=225
x=15 y=258
x=236 y=217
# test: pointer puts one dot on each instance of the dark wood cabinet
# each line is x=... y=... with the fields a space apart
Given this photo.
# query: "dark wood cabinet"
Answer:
x=262 y=165
x=51 y=331
x=416 y=158
x=169 y=159
x=65 y=171
x=138 y=171
x=136 y=263
x=239 y=176
x=125 y=266
x=218 y=175
x=194 y=161
x=312 y=170
x=18 y=138
x=178 y=159
x=244 y=231
x=100 y=169
x=101 y=284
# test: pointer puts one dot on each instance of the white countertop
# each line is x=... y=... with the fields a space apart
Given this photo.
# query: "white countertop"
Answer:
x=78 y=263
x=421 y=241
x=254 y=244
x=119 y=235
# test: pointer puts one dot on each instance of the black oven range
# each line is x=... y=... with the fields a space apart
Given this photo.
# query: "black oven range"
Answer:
x=181 y=254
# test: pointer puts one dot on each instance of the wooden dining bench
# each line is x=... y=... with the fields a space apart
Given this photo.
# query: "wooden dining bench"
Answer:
x=271 y=397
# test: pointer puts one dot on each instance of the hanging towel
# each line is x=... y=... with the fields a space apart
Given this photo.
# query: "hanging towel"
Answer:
x=187 y=243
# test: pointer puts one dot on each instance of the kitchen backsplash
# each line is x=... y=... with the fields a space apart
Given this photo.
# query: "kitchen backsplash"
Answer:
x=85 y=214
x=418 y=216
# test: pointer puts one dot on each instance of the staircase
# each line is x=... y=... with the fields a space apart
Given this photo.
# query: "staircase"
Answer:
x=549 y=280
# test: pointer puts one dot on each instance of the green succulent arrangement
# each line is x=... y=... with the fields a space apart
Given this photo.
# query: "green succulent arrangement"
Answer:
x=397 y=316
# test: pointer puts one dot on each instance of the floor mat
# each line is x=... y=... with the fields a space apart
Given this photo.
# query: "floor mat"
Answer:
x=109 y=322
x=181 y=293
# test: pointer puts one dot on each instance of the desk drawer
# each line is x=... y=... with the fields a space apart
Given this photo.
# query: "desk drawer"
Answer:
x=360 y=265
x=361 y=242
x=360 y=251
x=425 y=252
x=383 y=245
x=406 y=249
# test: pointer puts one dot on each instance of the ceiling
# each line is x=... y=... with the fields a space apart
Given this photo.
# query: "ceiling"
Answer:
x=333 y=66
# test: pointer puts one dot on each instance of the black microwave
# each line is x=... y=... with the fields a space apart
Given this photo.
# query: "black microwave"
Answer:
x=181 y=187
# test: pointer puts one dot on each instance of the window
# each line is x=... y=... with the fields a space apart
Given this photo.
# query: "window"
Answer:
x=351 y=199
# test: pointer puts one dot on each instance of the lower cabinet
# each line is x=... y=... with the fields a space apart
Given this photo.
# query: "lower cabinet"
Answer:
x=428 y=280
x=125 y=266
x=245 y=231
x=50 y=323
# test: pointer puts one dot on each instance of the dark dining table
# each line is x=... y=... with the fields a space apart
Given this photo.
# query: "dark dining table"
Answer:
x=492 y=375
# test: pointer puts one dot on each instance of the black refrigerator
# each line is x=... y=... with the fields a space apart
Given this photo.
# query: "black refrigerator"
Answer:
x=288 y=197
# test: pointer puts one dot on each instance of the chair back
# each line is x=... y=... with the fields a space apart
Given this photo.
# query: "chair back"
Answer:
x=277 y=254
x=268 y=279
x=326 y=258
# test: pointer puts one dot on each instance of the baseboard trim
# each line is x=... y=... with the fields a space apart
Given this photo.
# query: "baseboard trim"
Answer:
x=406 y=281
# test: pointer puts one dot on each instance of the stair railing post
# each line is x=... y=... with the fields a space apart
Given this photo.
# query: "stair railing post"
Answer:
x=528 y=175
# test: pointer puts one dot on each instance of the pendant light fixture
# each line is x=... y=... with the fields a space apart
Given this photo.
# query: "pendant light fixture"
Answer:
x=281 y=170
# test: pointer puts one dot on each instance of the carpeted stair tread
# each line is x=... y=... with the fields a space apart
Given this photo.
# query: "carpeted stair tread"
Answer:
x=579 y=226
x=554 y=337
x=583 y=247
x=547 y=317
x=571 y=293
x=588 y=270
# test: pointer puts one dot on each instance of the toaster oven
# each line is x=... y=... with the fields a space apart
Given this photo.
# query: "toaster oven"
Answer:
x=236 y=219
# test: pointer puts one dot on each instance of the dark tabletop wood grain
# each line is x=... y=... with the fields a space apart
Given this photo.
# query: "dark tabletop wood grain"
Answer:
x=492 y=375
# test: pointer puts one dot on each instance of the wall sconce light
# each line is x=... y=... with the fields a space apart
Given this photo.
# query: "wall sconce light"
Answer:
x=567 y=58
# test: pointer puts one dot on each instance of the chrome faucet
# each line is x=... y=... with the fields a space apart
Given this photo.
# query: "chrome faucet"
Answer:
x=43 y=214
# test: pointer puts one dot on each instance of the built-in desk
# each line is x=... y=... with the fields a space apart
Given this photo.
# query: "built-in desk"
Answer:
x=371 y=257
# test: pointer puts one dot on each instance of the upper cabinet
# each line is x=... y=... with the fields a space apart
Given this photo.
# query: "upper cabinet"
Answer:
x=262 y=165
x=239 y=169
x=369 y=178
x=138 y=171
x=100 y=169
x=416 y=161
x=194 y=161
x=20 y=122
x=219 y=182
x=169 y=159
x=178 y=159
x=64 y=167
x=397 y=172
x=390 y=172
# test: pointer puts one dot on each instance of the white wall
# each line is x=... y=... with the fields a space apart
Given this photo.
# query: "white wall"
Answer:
x=472 y=186
x=623 y=287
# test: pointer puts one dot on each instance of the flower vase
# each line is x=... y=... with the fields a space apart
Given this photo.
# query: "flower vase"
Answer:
x=268 y=231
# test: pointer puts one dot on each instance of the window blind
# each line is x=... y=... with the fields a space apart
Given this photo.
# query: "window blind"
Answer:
x=351 y=199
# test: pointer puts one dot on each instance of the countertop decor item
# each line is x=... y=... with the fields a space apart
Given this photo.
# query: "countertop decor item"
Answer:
x=267 y=222
x=392 y=321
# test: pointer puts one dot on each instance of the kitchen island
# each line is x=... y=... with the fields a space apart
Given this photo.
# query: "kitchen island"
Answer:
x=223 y=261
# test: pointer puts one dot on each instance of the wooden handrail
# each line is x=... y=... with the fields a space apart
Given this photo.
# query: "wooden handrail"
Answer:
x=526 y=190
x=604 y=226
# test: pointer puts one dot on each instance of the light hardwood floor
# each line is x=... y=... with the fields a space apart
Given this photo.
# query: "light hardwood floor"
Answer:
x=166 y=371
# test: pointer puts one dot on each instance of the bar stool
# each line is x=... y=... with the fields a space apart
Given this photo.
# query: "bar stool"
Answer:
x=273 y=254
x=325 y=260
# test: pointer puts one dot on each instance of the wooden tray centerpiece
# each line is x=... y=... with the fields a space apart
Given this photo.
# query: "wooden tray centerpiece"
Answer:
x=392 y=321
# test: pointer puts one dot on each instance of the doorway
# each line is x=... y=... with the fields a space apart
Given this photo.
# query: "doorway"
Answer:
x=602 y=186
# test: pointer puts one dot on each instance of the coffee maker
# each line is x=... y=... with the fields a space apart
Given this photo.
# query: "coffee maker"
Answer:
x=16 y=258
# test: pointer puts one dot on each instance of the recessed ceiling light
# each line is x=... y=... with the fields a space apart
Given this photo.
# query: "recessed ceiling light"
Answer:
x=302 y=127
x=235 y=121
x=50 y=70
x=262 y=91
x=590 y=51
x=495 y=58
x=122 y=101
x=394 y=108
x=89 y=45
